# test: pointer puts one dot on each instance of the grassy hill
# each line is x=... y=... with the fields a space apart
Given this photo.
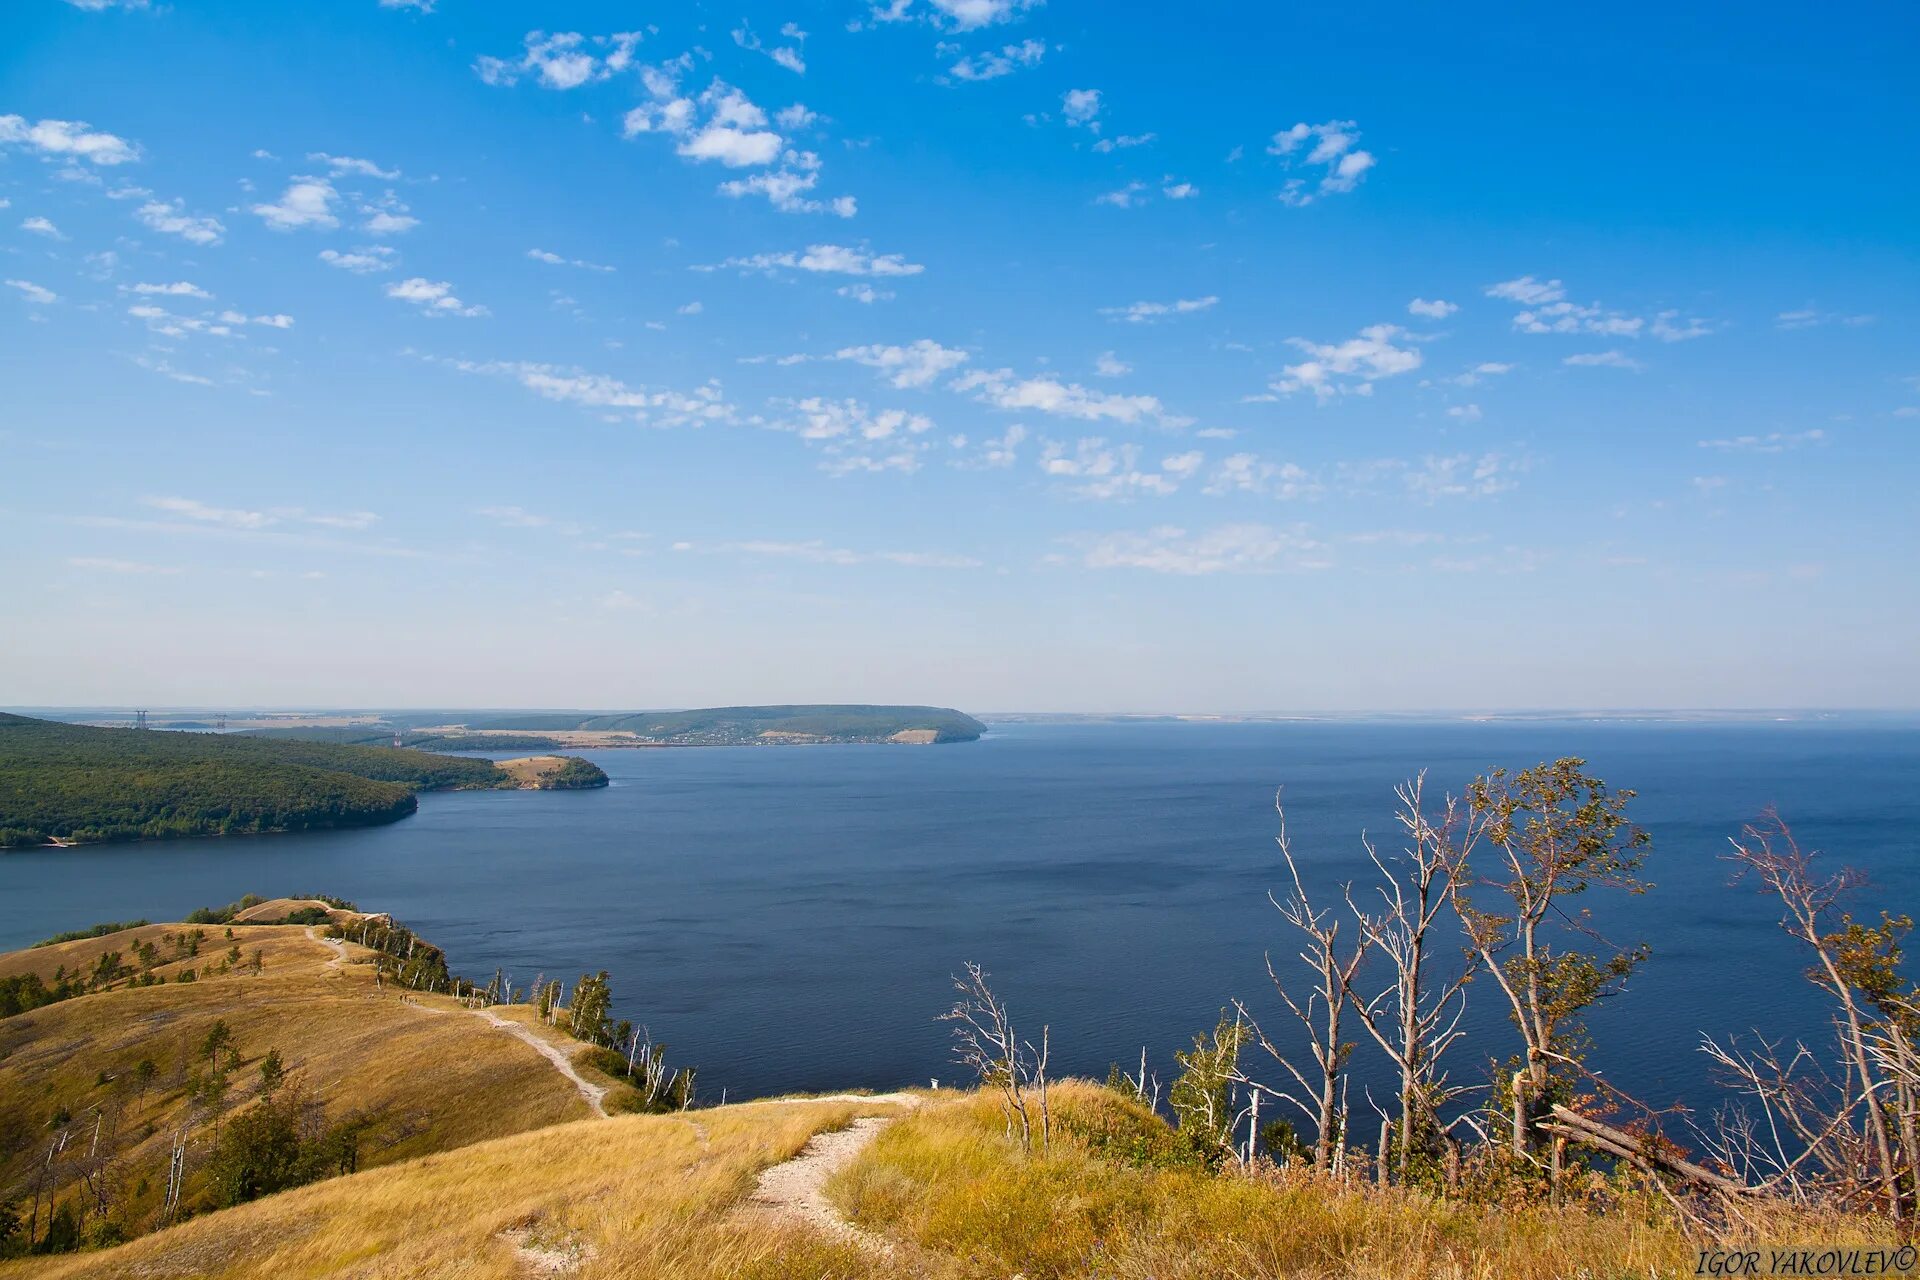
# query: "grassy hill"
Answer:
x=77 y=783
x=477 y=1154
x=122 y=1067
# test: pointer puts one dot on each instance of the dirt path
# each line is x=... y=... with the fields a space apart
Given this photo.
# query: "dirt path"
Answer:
x=339 y=948
x=594 y=1094
x=796 y=1191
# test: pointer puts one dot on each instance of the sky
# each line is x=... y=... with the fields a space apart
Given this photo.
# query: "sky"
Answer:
x=1002 y=354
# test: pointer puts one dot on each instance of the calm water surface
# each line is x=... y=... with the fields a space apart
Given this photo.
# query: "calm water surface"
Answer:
x=787 y=918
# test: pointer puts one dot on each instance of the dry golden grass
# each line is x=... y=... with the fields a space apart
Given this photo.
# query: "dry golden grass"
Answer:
x=527 y=771
x=948 y=1180
x=636 y=1196
x=440 y=1077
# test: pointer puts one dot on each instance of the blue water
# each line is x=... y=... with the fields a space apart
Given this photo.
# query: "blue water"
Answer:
x=787 y=918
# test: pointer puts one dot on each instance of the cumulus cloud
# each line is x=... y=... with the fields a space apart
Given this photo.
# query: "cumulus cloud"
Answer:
x=1232 y=548
x=917 y=364
x=340 y=166
x=1108 y=365
x=1249 y=473
x=1147 y=312
x=1603 y=360
x=34 y=293
x=827 y=259
x=789 y=56
x=1121 y=141
x=990 y=64
x=172 y=219
x=1432 y=310
x=41 y=227
x=67 y=140
x=650 y=406
x=1049 y=395
x=1082 y=107
x=1123 y=197
x=177 y=289
x=1772 y=442
x=433 y=297
x=864 y=293
x=1091 y=467
x=1350 y=367
x=723 y=125
x=562 y=60
x=365 y=260
x=1332 y=148
x=1461 y=475
x=1545 y=308
x=954 y=15
x=307 y=202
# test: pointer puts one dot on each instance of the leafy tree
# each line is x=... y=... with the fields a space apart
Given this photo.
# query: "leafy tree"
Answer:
x=1556 y=832
x=589 y=1017
x=1202 y=1095
x=272 y=1072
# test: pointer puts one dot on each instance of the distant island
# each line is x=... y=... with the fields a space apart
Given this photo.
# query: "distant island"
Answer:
x=76 y=784
x=702 y=727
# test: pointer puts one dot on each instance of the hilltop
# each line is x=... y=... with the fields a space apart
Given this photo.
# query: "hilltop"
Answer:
x=482 y=1139
x=705 y=726
x=72 y=783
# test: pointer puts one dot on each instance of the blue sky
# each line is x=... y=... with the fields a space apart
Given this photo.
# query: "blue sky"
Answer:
x=1051 y=355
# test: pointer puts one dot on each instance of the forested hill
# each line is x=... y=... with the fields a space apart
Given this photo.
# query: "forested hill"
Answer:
x=829 y=723
x=78 y=783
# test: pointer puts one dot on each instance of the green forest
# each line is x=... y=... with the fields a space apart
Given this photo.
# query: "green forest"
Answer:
x=81 y=784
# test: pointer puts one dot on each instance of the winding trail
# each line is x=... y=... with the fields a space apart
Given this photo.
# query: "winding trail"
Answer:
x=339 y=948
x=594 y=1094
x=795 y=1192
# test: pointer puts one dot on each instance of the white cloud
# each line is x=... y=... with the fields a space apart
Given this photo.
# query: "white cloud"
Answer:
x=554 y=259
x=1082 y=107
x=41 y=227
x=1343 y=164
x=562 y=60
x=789 y=56
x=864 y=293
x=786 y=187
x=34 y=293
x=1123 y=197
x=650 y=406
x=956 y=15
x=1669 y=327
x=433 y=297
x=1603 y=360
x=1350 y=367
x=178 y=289
x=307 y=202
x=1479 y=373
x=1180 y=191
x=172 y=219
x=1547 y=310
x=191 y=509
x=387 y=216
x=991 y=65
x=1233 y=548
x=1432 y=310
x=67 y=139
x=1108 y=365
x=818 y=418
x=690 y=309
x=339 y=166
x=1464 y=412
x=1145 y=312
x=154 y=364
x=1772 y=442
x=1462 y=476
x=1249 y=473
x=828 y=259
x=1096 y=469
x=362 y=261
x=1119 y=142
x=1810 y=317
x=916 y=364
x=98 y=6
x=1045 y=394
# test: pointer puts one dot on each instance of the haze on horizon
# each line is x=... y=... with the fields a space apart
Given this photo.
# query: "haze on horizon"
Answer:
x=999 y=354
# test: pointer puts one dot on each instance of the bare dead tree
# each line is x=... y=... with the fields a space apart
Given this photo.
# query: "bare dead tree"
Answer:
x=1860 y=1126
x=1316 y=1091
x=1414 y=1019
x=986 y=1043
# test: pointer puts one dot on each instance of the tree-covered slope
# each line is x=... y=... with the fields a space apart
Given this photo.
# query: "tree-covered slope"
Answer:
x=73 y=782
x=841 y=723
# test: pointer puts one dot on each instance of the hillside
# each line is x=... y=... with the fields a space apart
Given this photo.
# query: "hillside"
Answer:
x=473 y=1139
x=75 y=783
x=122 y=1064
